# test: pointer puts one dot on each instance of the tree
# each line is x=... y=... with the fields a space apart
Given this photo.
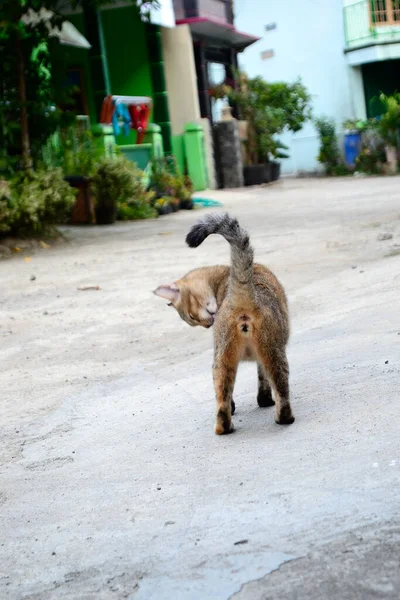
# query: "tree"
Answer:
x=269 y=109
x=26 y=88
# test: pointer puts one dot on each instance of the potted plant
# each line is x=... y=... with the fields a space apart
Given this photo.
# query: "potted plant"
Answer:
x=168 y=183
x=162 y=206
x=78 y=155
x=117 y=182
x=268 y=109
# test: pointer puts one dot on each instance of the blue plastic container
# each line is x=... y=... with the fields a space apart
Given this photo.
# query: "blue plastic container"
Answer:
x=352 y=145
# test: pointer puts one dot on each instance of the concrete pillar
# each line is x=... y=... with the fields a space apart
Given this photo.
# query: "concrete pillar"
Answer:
x=229 y=153
x=357 y=92
x=180 y=75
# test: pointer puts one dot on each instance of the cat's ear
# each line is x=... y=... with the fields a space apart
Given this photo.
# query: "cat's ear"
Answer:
x=169 y=292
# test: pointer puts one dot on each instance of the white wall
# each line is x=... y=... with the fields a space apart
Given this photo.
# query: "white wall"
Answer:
x=308 y=42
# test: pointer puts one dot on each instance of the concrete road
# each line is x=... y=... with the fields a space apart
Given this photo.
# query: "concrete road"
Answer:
x=113 y=484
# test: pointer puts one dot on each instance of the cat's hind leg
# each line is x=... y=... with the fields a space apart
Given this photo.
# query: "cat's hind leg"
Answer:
x=264 y=396
x=276 y=365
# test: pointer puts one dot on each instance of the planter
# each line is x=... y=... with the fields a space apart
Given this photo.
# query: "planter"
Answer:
x=82 y=212
x=164 y=210
x=106 y=215
x=255 y=174
x=187 y=204
x=275 y=170
x=175 y=205
x=268 y=172
x=391 y=159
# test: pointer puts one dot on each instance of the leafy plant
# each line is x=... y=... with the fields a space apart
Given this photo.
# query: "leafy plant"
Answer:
x=219 y=91
x=355 y=125
x=372 y=154
x=329 y=154
x=388 y=124
x=118 y=183
x=75 y=151
x=269 y=109
x=34 y=201
x=167 y=181
x=6 y=207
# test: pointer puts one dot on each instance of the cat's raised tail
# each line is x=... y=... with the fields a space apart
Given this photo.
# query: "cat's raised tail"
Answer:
x=242 y=255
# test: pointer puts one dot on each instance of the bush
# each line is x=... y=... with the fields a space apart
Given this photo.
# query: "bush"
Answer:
x=6 y=207
x=118 y=183
x=34 y=201
x=167 y=181
x=372 y=154
x=329 y=154
x=269 y=109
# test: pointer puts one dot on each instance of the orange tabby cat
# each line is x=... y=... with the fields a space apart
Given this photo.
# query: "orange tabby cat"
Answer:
x=248 y=307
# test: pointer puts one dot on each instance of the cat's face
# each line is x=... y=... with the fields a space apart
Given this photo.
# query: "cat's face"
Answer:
x=194 y=302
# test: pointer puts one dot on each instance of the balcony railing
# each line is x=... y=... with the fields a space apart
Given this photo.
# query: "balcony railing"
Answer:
x=369 y=22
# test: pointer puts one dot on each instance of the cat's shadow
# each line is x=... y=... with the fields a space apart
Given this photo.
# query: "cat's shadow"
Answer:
x=256 y=421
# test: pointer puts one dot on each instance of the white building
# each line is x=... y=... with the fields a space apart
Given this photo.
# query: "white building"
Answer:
x=345 y=51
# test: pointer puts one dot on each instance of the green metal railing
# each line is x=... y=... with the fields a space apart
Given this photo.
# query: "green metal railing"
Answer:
x=362 y=24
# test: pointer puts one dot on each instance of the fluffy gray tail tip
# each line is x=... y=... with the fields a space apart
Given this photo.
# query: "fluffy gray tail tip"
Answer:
x=196 y=235
x=209 y=224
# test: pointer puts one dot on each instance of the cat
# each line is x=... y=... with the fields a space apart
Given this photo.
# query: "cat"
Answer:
x=248 y=308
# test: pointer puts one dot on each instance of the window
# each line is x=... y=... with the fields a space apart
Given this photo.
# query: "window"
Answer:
x=385 y=12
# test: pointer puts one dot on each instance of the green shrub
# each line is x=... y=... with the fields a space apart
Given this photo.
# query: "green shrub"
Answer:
x=6 y=207
x=166 y=180
x=34 y=201
x=74 y=150
x=329 y=154
x=388 y=124
x=118 y=183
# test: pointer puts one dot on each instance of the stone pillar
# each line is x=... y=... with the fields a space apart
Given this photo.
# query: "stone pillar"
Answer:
x=229 y=152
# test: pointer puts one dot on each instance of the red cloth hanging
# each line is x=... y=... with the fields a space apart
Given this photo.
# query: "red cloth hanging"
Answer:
x=140 y=114
x=107 y=111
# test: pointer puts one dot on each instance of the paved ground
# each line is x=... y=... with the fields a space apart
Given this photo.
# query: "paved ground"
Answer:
x=112 y=482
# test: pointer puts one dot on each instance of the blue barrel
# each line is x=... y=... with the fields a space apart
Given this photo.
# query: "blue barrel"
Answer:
x=352 y=145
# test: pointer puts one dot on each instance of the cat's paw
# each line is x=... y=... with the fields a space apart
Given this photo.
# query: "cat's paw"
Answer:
x=285 y=417
x=264 y=398
x=223 y=429
x=223 y=424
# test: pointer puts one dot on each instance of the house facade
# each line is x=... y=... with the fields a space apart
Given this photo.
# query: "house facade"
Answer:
x=345 y=51
x=169 y=60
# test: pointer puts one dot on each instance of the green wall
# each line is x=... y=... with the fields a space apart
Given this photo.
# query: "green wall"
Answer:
x=127 y=55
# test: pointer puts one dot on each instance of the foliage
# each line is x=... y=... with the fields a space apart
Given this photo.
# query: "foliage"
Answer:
x=74 y=150
x=219 y=91
x=355 y=124
x=117 y=182
x=167 y=181
x=33 y=201
x=329 y=154
x=372 y=154
x=6 y=207
x=270 y=109
x=388 y=124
